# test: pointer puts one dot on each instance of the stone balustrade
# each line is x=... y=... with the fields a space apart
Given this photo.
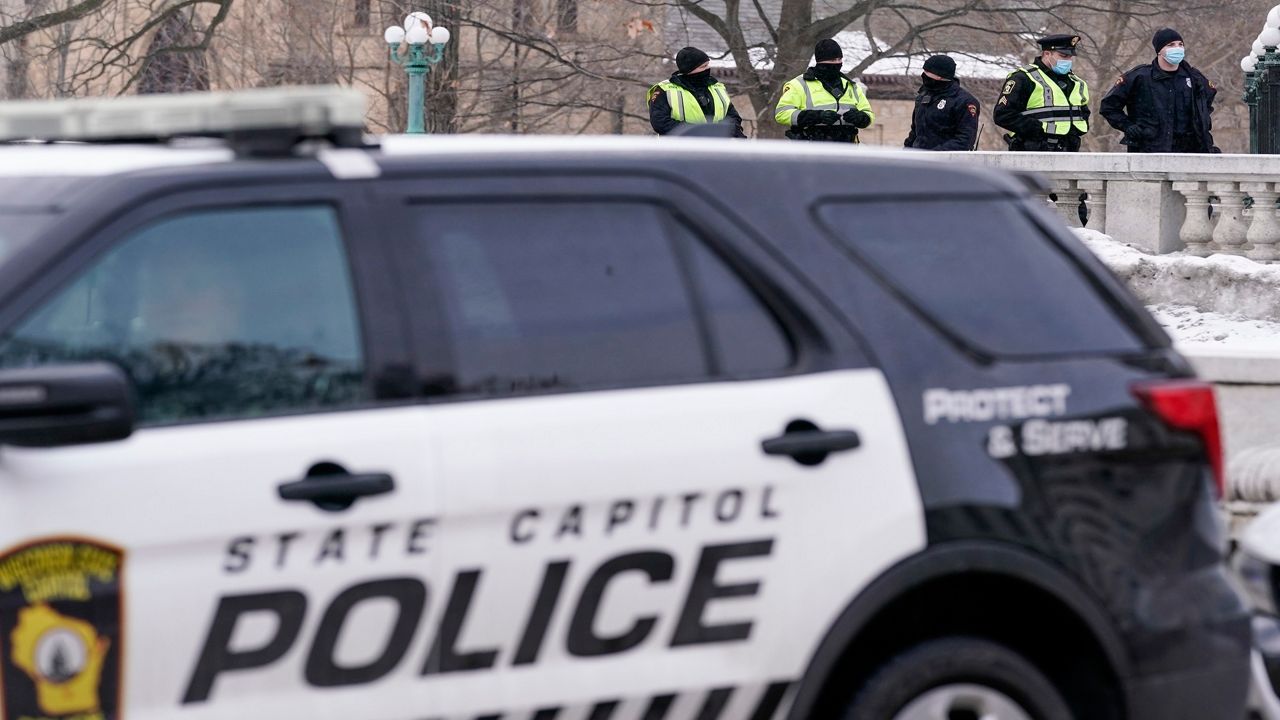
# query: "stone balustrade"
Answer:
x=1204 y=204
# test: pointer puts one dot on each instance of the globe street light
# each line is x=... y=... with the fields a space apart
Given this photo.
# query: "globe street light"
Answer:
x=1261 y=69
x=407 y=47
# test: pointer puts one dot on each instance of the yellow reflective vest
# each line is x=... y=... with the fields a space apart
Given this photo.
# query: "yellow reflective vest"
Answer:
x=800 y=94
x=685 y=107
x=1049 y=105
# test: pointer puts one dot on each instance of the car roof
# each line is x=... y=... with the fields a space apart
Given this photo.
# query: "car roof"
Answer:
x=691 y=156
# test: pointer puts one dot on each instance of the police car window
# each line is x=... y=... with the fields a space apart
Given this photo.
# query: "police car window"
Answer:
x=563 y=296
x=747 y=338
x=217 y=314
x=983 y=271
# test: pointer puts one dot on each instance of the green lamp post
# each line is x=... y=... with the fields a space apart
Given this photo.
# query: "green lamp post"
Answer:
x=409 y=49
x=1262 y=88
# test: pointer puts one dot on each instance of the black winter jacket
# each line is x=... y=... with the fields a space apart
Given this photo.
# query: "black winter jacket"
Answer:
x=945 y=119
x=1144 y=102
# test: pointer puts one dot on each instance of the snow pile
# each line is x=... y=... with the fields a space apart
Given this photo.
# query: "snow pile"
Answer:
x=1227 y=285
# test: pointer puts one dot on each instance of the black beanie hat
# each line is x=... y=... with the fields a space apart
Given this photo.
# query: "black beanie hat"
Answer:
x=689 y=59
x=827 y=50
x=942 y=66
x=1164 y=37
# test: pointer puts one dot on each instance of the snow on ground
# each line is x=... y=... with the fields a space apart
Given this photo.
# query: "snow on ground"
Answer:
x=857 y=46
x=1189 y=326
x=1222 y=300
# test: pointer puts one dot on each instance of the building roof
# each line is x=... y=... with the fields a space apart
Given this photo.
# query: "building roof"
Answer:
x=889 y=77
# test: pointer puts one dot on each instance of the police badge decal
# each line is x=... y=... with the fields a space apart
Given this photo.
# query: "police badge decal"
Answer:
x=60 y=630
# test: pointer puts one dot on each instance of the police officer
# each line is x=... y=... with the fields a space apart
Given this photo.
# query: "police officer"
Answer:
x=1043 y=105
x=692 y=96
x=1163 y=107
x=823 y=104
x=946 y=115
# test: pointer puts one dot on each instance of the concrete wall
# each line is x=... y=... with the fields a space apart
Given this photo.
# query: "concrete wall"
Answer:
x=1247 y=386
x=1143 y=199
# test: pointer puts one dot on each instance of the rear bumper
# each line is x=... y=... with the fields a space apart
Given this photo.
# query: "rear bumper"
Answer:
x=1198 y=669
x=1217 y=692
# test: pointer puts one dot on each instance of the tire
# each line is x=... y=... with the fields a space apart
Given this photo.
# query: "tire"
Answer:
x=958 y=678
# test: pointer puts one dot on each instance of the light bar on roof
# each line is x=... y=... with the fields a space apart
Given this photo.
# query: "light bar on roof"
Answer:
x=311 y=110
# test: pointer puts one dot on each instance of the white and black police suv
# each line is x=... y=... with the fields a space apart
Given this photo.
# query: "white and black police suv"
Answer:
x=297 y=424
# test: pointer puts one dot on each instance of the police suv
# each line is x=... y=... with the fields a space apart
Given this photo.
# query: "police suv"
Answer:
x=302 y=424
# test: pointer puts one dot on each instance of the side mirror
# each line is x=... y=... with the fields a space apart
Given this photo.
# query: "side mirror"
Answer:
x=65 y=405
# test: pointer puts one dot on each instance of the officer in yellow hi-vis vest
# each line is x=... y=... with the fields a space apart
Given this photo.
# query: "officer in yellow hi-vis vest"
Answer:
x=1044 y=105
x=823 y=104
x=692 y=96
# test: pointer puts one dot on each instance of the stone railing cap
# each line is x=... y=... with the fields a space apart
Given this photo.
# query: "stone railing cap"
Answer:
x=1230 y=365
x=1137 y=166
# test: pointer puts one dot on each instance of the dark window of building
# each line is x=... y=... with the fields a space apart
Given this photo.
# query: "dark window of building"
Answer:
x=175 y=61
x=567 y=15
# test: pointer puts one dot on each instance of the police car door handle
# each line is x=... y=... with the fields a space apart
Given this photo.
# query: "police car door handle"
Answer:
x=338 y=491
x=811 y=445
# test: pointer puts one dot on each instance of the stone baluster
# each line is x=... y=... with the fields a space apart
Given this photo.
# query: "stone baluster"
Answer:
x=1197 y=229
x=1264 y=228
x=1068 y=201
x=1096 y=201
x=1230 y=235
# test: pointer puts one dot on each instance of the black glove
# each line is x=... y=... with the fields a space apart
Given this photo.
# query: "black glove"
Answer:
x=857 y=118
x=1137 y=134
x=808 y=118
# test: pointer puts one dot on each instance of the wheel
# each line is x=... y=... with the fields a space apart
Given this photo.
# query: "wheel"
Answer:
x=958 y=678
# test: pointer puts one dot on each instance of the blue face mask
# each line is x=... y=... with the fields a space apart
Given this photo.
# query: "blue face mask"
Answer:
x=1175 y=55
x=1062 y=67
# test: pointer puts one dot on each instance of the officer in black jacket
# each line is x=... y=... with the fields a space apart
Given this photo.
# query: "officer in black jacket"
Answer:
x=946 y=115
x=1164 y=107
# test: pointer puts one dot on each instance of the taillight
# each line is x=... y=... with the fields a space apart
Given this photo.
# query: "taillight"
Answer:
x=1188 y=405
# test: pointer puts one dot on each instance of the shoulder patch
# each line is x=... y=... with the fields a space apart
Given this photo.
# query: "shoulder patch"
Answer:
x=1008 y=87
x=654 y=92
x=1120 y=80
x=973 y=109
x=786 y=88
x=1004 y=101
